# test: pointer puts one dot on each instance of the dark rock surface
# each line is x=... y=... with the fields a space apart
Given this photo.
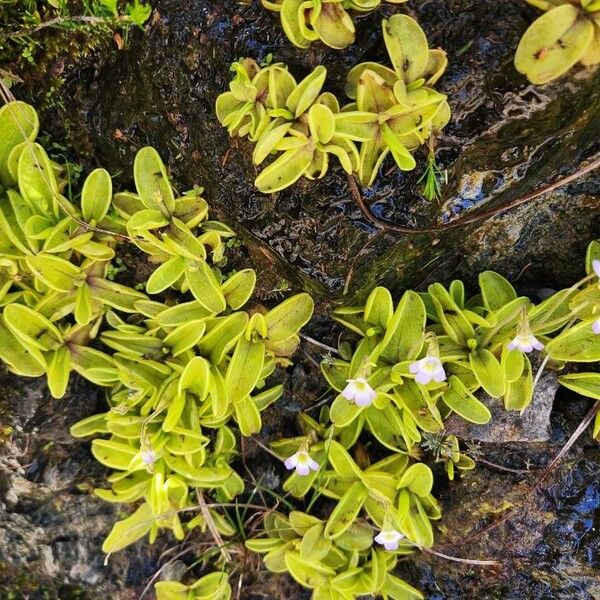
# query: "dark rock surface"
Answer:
x=531 y=425
x=505 y=139
x=51 y=528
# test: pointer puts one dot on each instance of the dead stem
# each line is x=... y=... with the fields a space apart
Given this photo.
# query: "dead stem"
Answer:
x=467 y=561
x=211 y=525
x=501 y=467
x=319 y=344
x=250 y=474
x=265 y=448
x=574 y=437
x=314 y=362
x=386 y=225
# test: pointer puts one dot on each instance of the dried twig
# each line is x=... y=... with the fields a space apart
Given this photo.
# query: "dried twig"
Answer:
x=319 y=344
x=265 y=448
x=574 y=437
x=211 y=525
x=467 y=561
x=247 y=469
x=467 y=219
x=500 y=467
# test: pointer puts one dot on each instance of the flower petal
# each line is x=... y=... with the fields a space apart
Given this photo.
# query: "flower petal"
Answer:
x=596 y=326
x=596 y=266
x=291 y=462
x=439 y=374
x=148 y=457
x=364 y=398
x=313 y=464
x=414 y=367
x=423 y=377
x=302 y=469
x=349 y=391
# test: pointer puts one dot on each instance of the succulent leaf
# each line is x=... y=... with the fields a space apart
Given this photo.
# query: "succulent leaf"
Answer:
x=554 y=43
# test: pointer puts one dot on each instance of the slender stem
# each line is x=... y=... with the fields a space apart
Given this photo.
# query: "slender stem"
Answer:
x=572 y=313
x=499 y=467
x=540 y=371
x=497 y=328
x=319 y=344
x=250 y=474
x=265 y=448
x=468 y=561
x=210 y=522
x=383 y=224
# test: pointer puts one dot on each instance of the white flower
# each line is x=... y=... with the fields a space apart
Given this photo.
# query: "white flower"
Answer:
x=302 y=462
x=359 y=391
x=389 y=538
x=149 y=457
x=596 y=326
x=525 y=342
x=596 y=266
x=428 y=369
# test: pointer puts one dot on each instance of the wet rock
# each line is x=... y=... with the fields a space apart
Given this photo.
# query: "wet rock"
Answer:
x=531 y=425
x=546 y=542
x=51 y=527
x=506 y=138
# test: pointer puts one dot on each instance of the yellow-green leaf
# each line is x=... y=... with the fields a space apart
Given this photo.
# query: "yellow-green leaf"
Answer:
x=458 y=398
x=576 y=344
x=152 y=182
x=488 y=372
x=346 y=510
x=129 y=530
x=96 y=195
x=554 y=43
x=407 y=46
x=244 y=369
x=204 y=286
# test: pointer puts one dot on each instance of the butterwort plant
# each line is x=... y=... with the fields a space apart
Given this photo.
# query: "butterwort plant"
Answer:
x=330 y=21
x=187 y=365
x=185 y=373
x=567 y=33
x=403 y=369
x=347 y=566
x=301 y=127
